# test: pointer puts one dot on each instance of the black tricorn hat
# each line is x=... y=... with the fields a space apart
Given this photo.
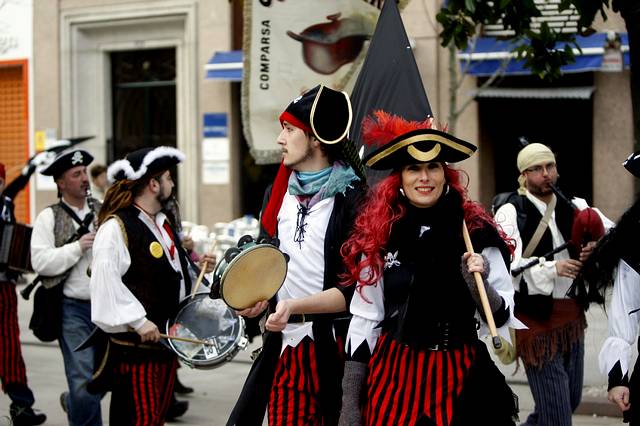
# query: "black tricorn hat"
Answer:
x=632 y=164
x=144 y=162
x=67 y=160
x=419 y=146
x=324 y=112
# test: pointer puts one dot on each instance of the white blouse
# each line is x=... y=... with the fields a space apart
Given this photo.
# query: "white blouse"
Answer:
x=623 y=325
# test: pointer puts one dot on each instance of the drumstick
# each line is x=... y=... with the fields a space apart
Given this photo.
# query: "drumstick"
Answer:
x=186 y=339
x=202 y=271
x=483 y=293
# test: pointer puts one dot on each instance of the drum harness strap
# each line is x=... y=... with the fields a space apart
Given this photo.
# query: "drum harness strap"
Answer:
x=300 y=318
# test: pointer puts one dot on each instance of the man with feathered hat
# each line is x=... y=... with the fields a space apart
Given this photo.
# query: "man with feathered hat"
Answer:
x=310 y=209
x=61 y=244
x=139 y=274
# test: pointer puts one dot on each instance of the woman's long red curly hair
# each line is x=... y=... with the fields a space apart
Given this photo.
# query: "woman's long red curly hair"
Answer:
x=364 y=249
x=366 y=244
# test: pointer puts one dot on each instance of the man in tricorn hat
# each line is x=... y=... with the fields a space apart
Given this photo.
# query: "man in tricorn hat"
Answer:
x=139 y=274
x=61 y=244
x=552 y=349
x=310 y=208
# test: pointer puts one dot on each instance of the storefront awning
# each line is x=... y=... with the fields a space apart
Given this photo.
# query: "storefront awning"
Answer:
x=489 y=54
x=577 y=93
x=225 y=66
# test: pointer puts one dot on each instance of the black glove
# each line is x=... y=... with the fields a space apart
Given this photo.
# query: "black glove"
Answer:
x=495 y=300
x=355 y=373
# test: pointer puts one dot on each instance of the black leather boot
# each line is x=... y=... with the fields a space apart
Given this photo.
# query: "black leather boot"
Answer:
x=176 y=409
x=181 y=389
x=26 y=416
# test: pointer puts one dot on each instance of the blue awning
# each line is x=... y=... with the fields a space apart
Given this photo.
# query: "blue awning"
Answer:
x=225 y=66
x=489 y=53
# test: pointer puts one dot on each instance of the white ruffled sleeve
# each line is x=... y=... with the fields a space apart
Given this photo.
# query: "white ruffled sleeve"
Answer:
x=114 y=308
x=46 y=258
x=623 y=325
x=367 y=308
x=500 y=279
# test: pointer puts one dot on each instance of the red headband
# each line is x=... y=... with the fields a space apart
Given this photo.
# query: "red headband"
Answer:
x=292 y=119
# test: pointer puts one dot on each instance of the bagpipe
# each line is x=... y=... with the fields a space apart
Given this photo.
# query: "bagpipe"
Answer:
x=587 y=227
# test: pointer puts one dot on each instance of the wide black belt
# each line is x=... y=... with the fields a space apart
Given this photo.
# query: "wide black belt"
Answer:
x=440 y=336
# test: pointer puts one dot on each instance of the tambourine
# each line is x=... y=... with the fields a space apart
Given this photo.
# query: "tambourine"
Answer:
x=250 y=273
x=217 y=328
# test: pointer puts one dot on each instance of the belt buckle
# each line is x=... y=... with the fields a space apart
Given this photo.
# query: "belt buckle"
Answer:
x=435 y=347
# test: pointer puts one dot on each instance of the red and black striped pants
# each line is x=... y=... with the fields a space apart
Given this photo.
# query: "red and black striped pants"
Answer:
x=142 y=392
x=12 y=369
x=406 y=386
x=294 y=395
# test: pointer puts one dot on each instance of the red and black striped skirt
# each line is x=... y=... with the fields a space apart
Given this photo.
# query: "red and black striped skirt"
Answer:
x=407 y=386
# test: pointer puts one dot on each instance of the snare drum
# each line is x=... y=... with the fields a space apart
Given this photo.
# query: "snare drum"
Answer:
x=210 y=320
x=250 y=273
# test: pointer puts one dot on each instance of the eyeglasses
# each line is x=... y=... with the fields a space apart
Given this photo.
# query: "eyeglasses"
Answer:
x=541 y=168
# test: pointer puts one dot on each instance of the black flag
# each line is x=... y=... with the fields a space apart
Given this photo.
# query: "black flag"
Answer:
x=389 y=79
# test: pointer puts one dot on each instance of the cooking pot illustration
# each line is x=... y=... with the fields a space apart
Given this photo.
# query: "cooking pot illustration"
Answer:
x=329 y=45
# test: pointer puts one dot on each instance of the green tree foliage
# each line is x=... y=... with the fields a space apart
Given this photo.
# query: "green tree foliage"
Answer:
x=544 y=51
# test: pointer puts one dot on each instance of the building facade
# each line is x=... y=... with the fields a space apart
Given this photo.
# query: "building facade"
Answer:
x=133 y=73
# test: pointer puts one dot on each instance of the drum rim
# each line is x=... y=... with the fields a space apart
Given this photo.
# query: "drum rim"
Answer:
x=222 y=357
x=244 y=252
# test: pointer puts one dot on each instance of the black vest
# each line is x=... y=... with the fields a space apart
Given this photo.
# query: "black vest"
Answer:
x=563 y=218
x=538 y=306
x=153 y=281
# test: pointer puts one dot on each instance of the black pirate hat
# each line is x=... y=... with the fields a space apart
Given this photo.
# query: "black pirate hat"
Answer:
x=632 y=164
x=322 y=111
x=66 y=160
x=422 y=145
x=144 y=162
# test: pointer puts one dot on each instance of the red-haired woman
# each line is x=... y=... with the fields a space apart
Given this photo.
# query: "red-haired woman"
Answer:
x=413 y=339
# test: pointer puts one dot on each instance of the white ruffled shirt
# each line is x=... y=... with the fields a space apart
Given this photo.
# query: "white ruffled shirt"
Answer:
x=49 y=260
x=542 y=278
x=367 y=314
x=305 y=271
x=116 y=309
x=623 y=325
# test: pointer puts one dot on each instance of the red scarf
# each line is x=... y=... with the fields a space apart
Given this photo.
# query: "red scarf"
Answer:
x=269 y=218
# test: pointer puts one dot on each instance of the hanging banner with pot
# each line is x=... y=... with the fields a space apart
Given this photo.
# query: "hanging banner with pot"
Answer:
x=291 y=46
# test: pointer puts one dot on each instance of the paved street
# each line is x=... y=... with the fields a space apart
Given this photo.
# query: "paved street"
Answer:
x=216 y=390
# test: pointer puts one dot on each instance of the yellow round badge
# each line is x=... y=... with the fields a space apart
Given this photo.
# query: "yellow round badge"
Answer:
x=156 y=249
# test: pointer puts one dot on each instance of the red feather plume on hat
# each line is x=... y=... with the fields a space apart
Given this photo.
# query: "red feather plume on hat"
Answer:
x=386 y=127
